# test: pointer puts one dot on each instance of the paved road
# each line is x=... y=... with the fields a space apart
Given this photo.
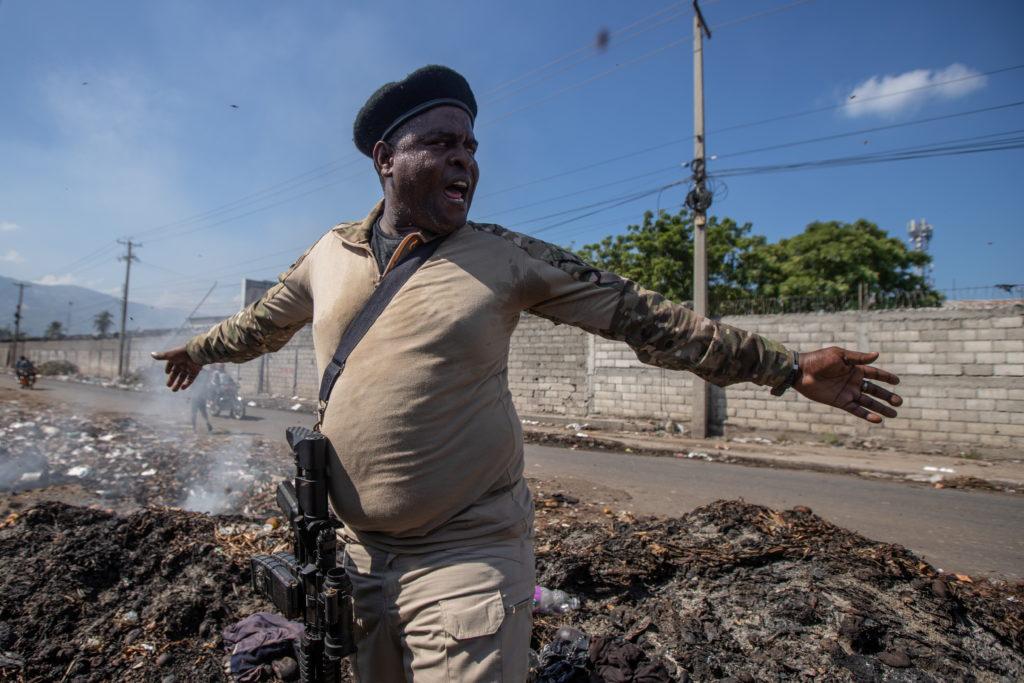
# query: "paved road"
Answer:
x=966 y=531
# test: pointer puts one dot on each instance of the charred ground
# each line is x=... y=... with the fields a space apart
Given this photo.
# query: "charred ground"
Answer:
x=126 y=589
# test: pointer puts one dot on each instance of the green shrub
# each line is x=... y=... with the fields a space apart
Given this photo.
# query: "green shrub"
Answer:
x=57 y=367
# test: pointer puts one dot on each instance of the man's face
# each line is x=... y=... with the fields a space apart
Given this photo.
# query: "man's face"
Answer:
x=431 y=173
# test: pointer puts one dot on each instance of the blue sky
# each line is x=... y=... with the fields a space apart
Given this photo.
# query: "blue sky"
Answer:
x=117 y=120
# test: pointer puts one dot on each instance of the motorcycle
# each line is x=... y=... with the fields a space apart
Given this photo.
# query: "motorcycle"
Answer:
x=229 y=402
x=27 y=380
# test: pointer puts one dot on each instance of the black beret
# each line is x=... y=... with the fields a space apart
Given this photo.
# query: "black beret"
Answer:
x=395 y=103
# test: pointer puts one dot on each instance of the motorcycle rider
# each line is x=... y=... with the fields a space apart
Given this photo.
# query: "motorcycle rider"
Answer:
x=24 y=368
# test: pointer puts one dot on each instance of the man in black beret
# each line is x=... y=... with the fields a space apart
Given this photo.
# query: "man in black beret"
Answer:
x=427 y=466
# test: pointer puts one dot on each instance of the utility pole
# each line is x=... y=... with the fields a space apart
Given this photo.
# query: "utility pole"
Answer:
x=122 y=364
x=17 y=321
x=67 y=323
x=698 y=200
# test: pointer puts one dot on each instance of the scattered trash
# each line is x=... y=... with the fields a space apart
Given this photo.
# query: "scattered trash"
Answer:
x=946 y=470
x=530 y=422
x=130 y=463
x=259 y=639
x=297 y=406
x=251 y=404
x=553 y=601
x=699 y=455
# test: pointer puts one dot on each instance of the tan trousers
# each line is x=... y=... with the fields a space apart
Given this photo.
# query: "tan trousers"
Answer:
x=463 y=614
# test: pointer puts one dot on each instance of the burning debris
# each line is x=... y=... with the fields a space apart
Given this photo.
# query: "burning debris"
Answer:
x=729 y=590
x=123 y=463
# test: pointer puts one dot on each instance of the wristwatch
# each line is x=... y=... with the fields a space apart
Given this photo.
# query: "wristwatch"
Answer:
x=791 y=378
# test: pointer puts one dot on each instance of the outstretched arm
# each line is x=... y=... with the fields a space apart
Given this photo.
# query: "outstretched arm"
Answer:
x=263 y=327
x=664 y=333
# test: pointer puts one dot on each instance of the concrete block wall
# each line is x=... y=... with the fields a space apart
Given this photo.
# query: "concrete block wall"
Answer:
x=962 y=372
x=548 y=368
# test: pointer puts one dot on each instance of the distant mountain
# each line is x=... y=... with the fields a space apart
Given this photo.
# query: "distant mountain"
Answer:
x=46 y=303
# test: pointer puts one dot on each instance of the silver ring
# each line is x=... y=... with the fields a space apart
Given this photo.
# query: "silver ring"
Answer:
x=863 y=386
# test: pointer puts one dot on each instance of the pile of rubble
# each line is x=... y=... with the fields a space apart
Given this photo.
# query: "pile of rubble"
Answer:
x=122 y=463
x=729 y=590
x=87 y=595
x=742 y=591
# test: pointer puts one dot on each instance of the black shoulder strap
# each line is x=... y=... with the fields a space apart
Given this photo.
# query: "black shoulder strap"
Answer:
x=374 y=306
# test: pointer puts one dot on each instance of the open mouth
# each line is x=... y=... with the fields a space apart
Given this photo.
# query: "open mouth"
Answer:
x=457 y=191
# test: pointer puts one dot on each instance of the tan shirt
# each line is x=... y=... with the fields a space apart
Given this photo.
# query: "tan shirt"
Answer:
x=429 y=449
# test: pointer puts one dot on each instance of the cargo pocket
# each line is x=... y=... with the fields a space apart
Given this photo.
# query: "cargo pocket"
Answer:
x=472 y=648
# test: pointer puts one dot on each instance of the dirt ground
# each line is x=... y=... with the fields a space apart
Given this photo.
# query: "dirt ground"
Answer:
x=105 y=578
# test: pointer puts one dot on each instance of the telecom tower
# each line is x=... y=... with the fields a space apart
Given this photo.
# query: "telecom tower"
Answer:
x=920 y=237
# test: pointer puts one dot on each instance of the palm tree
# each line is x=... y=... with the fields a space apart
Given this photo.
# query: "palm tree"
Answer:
x=103 y=322
x=54 y=330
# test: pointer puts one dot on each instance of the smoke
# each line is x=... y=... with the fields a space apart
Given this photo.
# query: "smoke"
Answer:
x=228 y=478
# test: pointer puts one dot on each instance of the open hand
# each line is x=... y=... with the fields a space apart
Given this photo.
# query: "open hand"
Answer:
x=181 y=369
x=838 y=377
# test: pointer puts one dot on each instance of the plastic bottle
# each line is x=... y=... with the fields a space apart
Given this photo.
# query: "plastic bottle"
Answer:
x=553 y=601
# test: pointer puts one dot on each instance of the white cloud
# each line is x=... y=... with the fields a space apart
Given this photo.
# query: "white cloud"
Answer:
x=890 y=95
x=66 y=279
x=12 y=256
x=9 y=226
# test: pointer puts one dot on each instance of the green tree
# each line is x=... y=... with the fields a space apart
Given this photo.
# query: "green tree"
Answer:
x=658 y=254
x=103 y=322
x=55 y=330
x=830 y=262
x=834 y=260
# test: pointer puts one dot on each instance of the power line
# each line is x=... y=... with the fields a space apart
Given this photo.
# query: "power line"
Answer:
x=873 y=129
x=904 y=154
x=666 y=169
x=757 y=15
x=598 y=207
x=618 y=41
x=287 y=200
x=604 y=203
x=270 y=191
x=627 y=63
x=688 y=138
x=880 y=157
x=844 y=105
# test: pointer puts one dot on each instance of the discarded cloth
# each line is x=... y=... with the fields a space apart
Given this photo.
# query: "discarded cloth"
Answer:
x=564 y=660
x=617 y=661
x=258 y=639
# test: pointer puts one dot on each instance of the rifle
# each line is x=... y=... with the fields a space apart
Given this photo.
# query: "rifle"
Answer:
x=308 y=583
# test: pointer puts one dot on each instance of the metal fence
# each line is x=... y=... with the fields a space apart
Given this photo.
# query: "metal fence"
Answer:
x=865 y=301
